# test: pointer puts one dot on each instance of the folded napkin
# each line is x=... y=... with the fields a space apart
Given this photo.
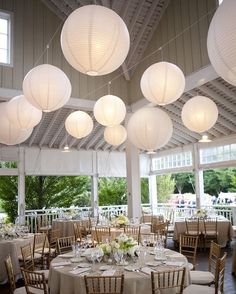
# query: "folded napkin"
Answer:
x=79 y=271
x=177 y=255
x=174 y=263
x=109 y=272
x=147 y=270
x=56 y=264
x=66 y=255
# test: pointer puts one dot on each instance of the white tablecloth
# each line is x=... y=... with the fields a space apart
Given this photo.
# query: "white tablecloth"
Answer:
x=61 y=281
x=224 y=226
x=12 y=248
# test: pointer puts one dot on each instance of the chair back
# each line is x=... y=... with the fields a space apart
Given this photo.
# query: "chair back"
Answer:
x=192 y=227
x=215 y=251
x=220 y=274
x=102 y=233
x=10 y=274
x=188 y=247
x=54 y=235
x=133 y=231
x=172 y=279
x=39 y=243
x=78 y=231
x=210 y=226
x=161 y=229
x=27 y=256
x=104 y=284
x=35 y=282
x=64 y=244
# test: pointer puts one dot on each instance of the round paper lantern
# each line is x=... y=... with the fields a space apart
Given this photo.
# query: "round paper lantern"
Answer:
x=79 y=124
x=149 y=128
x=46 y=87
x=162 y=83
x=9 y=134
x=221 y=41
x=115 y=135
x=95 y=40
x=109 y=110
x=22 y=114
x=199 y=114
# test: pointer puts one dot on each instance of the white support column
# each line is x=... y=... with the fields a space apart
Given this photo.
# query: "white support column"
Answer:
x=152 y=184
x=133 y=180
x=198 y=173
x=21 y=186
x=94 y=179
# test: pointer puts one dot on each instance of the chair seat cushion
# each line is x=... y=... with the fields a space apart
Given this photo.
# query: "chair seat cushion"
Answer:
x=211 y=233
x=46 y=273
x=195 y=233
x=197 y=289
x=36 y=291
x=36 y=256
x=190 y=266
x=20 y=290
x=201 y=277
x=46 y=250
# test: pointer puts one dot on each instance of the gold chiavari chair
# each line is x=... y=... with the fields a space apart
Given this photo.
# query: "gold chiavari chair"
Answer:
x=168 y=280
x=210 y=232
x=192 y=227
x=64 y=244
x=207 y=277
x=11 y=278
x=28 y=260
x=104 y=284
x=149 y=239
x=161 y=229
x=35 y=282
x=188 y=247
x=219 y=281
x=54 y=235
x=78 y=232
x=133 y=231
x=41 y=246
x=102 y=233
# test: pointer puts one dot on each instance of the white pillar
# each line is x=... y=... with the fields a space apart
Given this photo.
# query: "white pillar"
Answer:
x=152 y=185
x=94 y=203
x=21 y=186
x=133 y=180
x=198 y=173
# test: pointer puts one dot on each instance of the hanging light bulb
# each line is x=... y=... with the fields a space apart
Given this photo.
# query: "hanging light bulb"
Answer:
x=204 y=139
x=95 y=40
x=66 y=148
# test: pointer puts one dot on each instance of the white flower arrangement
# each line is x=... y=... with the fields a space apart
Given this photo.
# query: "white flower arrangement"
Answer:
x=120 y=220
x=8 y=231
x=201 y=213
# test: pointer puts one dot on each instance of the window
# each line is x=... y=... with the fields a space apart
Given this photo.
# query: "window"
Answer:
x=218 y=154
x=5 y=38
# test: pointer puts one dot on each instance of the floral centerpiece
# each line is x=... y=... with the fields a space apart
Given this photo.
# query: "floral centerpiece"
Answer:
x=120 y=221
x=201 y=213
x=8 y=231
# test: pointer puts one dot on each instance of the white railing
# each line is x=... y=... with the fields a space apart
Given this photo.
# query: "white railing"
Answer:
x=45 y=217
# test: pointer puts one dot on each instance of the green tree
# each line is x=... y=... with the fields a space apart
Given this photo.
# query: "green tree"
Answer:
x=165 y=187
x=112 y=191
x=144 y=190
x=184 y=183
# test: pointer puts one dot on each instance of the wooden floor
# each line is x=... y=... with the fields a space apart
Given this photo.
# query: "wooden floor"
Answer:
x=202 y=263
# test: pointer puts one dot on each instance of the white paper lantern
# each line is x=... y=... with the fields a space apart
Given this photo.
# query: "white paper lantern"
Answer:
x=9 y=134
x=199 y=114
x=79 y=124
x=47 y=87
x=95 y=40
x=149 y=128
x=22 y=114
x=162 y=83
x=115 y=135
x=109 y=110
x=221 y=41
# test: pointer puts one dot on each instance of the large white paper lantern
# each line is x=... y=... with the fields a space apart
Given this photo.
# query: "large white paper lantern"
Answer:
x=199 y=114
x=109 y=110
x=115 y=135
x=22 y=114
x=95 y=40
x=47 y=87
x=221 y=41
x=79 y=124
x=162 y=83
x=9 y=134
x=149 y=128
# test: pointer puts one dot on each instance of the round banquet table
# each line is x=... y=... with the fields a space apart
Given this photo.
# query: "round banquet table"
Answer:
x=61 y=280
x=65 y=227
x=12 y=248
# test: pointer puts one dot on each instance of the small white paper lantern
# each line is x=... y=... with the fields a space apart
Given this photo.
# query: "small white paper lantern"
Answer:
x=162 y=83
x=199 y=114
x=221 y=41
x=149 y=128
x=9 y=134
x=22 y=114
x=109 y=110
x=95 y=40
x=47 y=87
x=115 y=135
x=79 y=124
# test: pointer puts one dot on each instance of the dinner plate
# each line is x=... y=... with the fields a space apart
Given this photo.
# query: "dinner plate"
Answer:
x=84 y=264
x=76 y=259
x=161 y=258
x=130 y=268
x=152 y=263
x=67 y=255
x=105 y=268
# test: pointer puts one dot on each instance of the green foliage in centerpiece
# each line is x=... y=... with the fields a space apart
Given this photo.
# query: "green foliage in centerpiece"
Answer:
x=120 y=221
